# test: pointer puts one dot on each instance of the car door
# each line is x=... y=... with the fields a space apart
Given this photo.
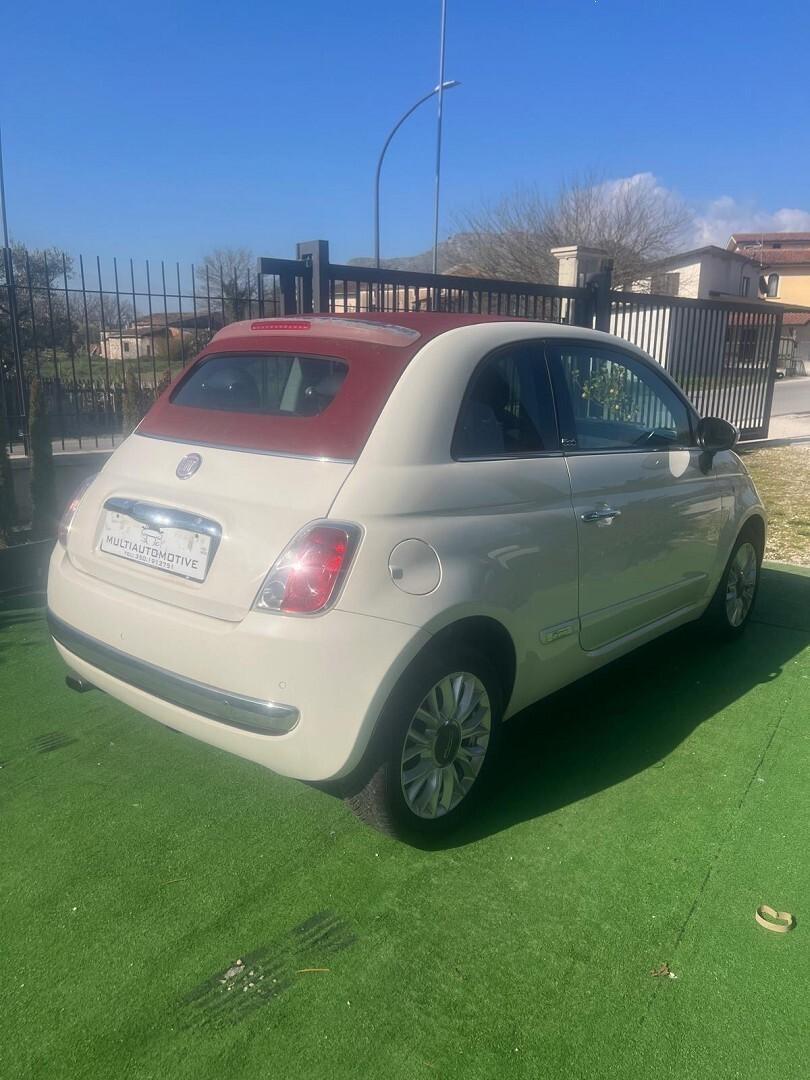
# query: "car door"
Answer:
x=647 y=508
x=520 y=538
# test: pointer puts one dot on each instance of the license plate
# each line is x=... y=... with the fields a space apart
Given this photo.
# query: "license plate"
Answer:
x=177 y=551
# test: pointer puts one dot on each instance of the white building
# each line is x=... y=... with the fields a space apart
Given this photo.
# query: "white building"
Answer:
x=704 y=273
x=158 y=335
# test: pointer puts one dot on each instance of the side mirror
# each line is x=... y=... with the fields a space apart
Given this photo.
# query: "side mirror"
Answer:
x=716 y=434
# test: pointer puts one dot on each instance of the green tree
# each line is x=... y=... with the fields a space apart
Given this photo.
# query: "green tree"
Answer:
x=43 y=480
x=37 y=276
x=57 y=323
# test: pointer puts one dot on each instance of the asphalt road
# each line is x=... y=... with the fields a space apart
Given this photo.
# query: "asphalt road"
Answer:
x=791 y=396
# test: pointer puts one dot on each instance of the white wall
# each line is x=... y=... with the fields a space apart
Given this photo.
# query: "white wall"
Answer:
x=712 y=273
x=724 y=275
x=140 y=346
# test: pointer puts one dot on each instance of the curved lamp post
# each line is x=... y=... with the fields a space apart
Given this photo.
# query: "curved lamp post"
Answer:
x=443 y=86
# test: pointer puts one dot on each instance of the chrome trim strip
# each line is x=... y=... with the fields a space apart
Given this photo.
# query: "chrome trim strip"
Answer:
x=164 y=517
x=236 y=710
x=246 y=449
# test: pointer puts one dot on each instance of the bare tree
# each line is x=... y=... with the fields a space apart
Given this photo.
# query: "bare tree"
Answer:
x=634 y=220
x=228 y=276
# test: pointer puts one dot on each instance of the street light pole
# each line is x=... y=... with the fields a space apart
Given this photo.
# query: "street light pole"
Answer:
x=3 y=196
x=439 y=142
x=436 y=90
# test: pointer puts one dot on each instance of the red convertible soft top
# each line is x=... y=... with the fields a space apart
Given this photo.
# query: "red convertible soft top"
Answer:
x=374 y=348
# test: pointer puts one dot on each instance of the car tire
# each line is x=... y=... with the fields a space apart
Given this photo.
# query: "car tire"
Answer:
x=428 y=765
x=730 y=609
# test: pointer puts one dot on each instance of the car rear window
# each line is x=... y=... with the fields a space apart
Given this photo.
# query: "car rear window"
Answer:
x=278 y=384
x=305 y=397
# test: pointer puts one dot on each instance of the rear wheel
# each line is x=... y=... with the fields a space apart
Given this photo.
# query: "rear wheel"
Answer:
x=733 y=602
x=435 y=746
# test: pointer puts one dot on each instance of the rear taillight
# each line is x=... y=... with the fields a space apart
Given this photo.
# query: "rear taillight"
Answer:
x=307 y=576
x=70 y=511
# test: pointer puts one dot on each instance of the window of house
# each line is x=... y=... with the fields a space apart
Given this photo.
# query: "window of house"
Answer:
x=508 y=409
x=666 y=284
x=126 y=346
x=745 y=286
x=773 y=284
x=616 y=402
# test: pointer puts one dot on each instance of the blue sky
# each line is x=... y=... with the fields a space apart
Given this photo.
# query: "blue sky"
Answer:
x=164 y=130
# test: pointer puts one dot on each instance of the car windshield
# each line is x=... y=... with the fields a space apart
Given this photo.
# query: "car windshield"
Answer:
x=265 y=383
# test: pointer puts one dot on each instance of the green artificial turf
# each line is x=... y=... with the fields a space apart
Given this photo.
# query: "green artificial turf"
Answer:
x=639 y=819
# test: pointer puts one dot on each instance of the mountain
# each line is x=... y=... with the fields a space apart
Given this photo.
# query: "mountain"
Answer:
x=454 y=252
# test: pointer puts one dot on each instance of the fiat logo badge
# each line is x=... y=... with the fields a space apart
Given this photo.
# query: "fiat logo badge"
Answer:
x=187 y=466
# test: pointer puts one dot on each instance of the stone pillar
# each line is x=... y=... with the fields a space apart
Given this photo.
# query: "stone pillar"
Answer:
x=575 y=262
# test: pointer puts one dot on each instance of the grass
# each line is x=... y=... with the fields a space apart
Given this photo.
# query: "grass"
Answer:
x=639 y=819
x=782 y=476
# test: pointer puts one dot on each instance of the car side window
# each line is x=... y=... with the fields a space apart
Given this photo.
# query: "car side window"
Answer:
x=616 y=402
x=508 y=409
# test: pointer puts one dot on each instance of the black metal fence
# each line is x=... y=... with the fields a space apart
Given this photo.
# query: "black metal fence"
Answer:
x=723 y=352
x=312 y=283
x=85 y=328
x=82 y=326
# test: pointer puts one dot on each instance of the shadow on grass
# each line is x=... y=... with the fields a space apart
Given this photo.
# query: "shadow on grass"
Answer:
x=22 y=610
x=629 y=716
x=21 y=607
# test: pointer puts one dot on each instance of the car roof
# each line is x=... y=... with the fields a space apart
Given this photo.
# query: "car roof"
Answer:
x=404 y=332
x=394 y=328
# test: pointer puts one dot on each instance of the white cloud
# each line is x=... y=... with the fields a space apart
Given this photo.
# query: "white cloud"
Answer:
x=625 y=183
x=715 y=221
x=722 y=217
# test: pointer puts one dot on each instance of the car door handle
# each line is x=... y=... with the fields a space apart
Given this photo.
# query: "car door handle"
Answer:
x=606 y=514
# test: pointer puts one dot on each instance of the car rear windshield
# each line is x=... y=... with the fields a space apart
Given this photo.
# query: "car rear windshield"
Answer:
x=270 y=383
x=317 y=399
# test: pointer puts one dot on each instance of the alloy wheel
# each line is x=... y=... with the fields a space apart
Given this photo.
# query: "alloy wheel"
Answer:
x=445 y=745
x=741 y=584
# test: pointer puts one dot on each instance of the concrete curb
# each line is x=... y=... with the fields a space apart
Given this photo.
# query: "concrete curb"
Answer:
x=757 y=444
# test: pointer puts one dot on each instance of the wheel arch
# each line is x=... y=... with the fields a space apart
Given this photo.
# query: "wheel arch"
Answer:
x=482 y=632
x=756 y=525
x=488 y=636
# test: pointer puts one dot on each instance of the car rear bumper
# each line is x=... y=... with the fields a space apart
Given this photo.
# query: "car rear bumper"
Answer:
x=247 y=713
x=300 y=696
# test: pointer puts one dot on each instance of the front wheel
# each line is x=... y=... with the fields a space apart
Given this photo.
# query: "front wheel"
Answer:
x=435 y=746
x=733 y=602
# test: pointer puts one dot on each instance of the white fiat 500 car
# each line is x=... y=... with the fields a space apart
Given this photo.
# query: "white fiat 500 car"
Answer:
x=349 y=547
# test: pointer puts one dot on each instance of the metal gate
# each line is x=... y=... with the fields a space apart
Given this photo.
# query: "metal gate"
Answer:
x=723 y=353
x=84 y=333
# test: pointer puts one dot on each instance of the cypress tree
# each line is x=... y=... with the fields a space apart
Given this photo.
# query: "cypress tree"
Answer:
x=43 y=478
x=133 y=403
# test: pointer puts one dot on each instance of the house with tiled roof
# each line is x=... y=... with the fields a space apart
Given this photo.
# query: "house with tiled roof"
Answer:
x=704 y=273
x=784 y=262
